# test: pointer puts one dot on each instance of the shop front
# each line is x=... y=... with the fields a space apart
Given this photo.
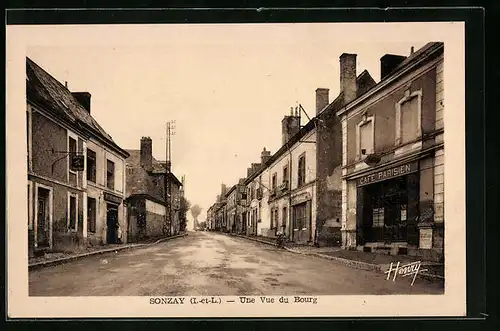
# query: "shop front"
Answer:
x=387 y=208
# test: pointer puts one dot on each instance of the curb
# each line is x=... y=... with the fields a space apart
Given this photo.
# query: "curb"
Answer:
x=63 y=260
x=254 y=239
x=350 y=263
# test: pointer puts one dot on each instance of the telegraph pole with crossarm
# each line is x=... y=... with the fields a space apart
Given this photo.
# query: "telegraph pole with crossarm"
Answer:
x=167 y=224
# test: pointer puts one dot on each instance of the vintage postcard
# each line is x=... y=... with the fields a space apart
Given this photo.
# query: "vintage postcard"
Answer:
x=236 y=170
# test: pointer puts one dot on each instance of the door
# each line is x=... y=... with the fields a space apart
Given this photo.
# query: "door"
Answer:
x=43 y=229
x=301 y=218
x=112 y=222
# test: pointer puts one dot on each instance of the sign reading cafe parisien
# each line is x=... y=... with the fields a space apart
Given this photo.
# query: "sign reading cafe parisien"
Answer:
x=392 y=172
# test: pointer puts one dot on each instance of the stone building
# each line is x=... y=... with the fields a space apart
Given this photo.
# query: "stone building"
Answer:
x=235 y=206
x=393 y=158
x=257 y=186
x=329 y=149
x=146 y=194
x=70 y=206
x=282 y=189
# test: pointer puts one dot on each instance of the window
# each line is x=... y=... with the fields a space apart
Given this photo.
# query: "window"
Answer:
x=365 y=135
x=274 y=183
x=285 y=216
x=409 y=120
x=272 y=219
x=366 y=138
x=300 y=216
x=408 y=117
x=72 y=145
x=91 y=215
x=91 y=165
x=72 y=213
x=110 y=175
x=378 y=217
x=285 y=174
x=301 y=176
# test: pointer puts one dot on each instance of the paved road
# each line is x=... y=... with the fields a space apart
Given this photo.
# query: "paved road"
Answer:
x=205 y=263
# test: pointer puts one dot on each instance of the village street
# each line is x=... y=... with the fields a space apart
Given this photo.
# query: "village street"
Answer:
x=206 y=263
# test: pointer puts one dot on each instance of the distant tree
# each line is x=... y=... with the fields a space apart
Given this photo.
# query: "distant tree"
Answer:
x=185 y=206
x=195 y=212
x=202 y=225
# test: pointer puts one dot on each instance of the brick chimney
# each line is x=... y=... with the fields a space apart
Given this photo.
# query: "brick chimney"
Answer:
x=264 y=156
x=348 y=77
x=290 y=125
x=147 y=153
x=388 y=63
x=255 y=167
x=322 y=99
x=83 y=98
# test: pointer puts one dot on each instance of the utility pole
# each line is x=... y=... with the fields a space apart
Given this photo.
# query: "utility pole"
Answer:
x=167 y=224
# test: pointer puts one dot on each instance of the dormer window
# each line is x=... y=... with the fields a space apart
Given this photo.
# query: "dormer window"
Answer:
x=365 y=137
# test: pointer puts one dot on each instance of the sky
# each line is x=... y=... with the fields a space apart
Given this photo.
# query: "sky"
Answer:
x=226 y=86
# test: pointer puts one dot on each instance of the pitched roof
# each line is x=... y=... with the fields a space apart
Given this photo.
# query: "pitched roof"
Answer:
x=134 y=161
x=45 y=90
x=364 y=82
x=422 y=54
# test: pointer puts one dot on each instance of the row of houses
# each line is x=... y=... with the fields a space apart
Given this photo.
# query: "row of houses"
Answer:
x=365 y=173
x=83 y=189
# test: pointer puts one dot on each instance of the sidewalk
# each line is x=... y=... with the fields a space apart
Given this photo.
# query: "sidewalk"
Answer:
x=50 y=259
x=357 y=259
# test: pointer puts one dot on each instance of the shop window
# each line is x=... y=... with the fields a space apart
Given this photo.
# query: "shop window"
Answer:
x=378 y=217
x=301 y=178
x=408 y=117
x=110 y=175
x=365 y=137
x=91 y=215
x=91 y=165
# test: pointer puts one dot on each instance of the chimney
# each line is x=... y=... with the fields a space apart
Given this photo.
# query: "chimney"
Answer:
x=83 y=98
x=249 y=172
x=223 y=190
x=388 y=63
x=147 y=153
x=322 y=99
x=348 y=77
x=241 y=181
x=290 y=125
x=255 y=167
x=264 y=156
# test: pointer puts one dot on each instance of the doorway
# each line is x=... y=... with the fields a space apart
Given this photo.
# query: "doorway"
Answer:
x=43 y=218
x=112 y=224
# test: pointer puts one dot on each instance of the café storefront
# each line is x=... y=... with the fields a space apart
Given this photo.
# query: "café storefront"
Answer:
x=387 y=207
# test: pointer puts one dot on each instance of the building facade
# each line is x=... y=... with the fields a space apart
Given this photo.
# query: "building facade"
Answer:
x=76 y=177
x=147 y=205
x=329 y=150
x=235 y=205
x=393 y=159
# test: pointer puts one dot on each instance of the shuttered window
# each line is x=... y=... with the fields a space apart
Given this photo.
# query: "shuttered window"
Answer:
x=409 y=120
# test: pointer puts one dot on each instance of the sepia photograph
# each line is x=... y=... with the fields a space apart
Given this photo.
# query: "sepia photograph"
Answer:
x=242 y=169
